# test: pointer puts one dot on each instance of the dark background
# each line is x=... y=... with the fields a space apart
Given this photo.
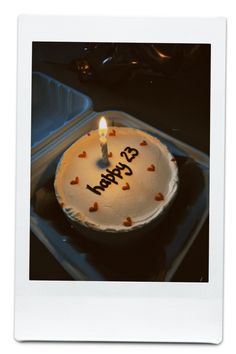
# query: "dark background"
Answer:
x=173 y=96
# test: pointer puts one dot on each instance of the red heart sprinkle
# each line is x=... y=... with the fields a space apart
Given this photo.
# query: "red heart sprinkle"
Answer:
x=151 y=168
x=94 y=207
x=127 y=222
x=143 y=143
x=75 y=181
x=126 y=187
x=83 y=154
x=159 y=196
x=112 y=133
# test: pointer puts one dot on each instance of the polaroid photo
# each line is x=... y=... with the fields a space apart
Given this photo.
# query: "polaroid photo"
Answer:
x=120 y=179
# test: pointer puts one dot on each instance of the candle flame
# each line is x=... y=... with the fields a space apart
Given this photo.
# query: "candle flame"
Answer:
x=102 y=127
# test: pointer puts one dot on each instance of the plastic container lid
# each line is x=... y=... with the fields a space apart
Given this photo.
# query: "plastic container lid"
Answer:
x=55 y=107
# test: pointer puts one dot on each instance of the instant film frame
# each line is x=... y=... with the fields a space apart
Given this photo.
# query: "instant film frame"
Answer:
x=120 y=311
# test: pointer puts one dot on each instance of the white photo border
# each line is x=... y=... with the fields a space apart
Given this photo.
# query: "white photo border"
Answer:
x=120 y=311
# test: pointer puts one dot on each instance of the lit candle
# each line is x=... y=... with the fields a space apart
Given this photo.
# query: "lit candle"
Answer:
x=103 y=140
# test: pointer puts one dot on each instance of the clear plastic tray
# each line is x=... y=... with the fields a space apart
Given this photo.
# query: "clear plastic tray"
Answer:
x=156 y=261
x=54 y=107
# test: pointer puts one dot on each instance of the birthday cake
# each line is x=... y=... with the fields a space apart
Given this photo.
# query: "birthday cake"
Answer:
x=132 y=191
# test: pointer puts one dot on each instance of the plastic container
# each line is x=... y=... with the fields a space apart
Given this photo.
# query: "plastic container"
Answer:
x=54 y=106
x=169 y=241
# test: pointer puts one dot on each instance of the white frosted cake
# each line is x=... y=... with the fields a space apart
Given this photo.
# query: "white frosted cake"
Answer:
x=137 y=186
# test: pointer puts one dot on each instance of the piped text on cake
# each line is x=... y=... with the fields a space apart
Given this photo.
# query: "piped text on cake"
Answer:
x=115 y=174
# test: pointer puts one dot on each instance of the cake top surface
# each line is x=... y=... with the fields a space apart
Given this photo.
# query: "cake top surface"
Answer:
x=135 y=188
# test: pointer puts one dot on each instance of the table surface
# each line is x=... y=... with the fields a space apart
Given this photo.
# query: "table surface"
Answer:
x=178 y=105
